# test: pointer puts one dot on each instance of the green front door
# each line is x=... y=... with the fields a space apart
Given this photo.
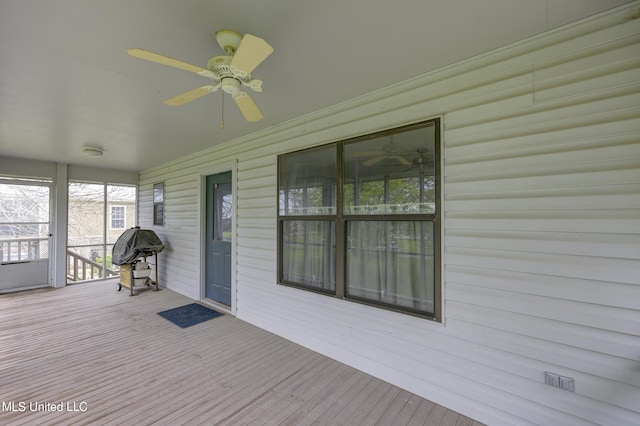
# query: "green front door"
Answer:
x=219 y=207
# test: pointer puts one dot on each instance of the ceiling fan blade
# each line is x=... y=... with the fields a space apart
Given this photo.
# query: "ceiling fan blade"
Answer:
x=191 y=95
x=165 y=60
x=403 y=160
x=251 y=52
x=248 y=108
x=374 y=160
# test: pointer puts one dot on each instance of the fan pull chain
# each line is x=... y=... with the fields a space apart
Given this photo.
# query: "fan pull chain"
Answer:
x=222 y=120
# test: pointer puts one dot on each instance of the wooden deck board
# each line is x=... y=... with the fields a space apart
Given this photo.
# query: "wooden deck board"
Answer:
x=401 y=409
x=375 y=401
x=436 y=416
x=88 y=343
x=355 y=404
x=422 y=412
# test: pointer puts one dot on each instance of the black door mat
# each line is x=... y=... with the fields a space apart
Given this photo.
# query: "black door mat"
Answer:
x=188 y=315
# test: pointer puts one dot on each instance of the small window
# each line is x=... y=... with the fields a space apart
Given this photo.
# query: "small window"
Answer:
x=360 y=219
x=118 y=216
x=158 y=204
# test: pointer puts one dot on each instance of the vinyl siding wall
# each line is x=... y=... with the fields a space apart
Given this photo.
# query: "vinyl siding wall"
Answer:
x=541 y=231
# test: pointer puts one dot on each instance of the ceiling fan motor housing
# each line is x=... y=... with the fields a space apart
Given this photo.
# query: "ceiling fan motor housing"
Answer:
x=221 y=69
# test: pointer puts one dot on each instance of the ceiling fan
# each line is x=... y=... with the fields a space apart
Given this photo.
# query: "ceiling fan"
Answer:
x=228 y=72
x=422 y=161
x=388 y=151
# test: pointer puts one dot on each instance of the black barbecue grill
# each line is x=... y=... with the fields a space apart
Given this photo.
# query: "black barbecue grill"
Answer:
x=130 y=252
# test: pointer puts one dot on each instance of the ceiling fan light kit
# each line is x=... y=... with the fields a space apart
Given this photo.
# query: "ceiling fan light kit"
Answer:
x=231 y=72
x=230 y=85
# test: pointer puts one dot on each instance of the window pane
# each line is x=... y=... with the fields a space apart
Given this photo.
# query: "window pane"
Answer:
x=122 y=200
x=391 y=174
x=158 y=204
x=308 y=253
x=308 y=182
x=85 y=233
x=86 y=214
x=158 y=214
x=391 y=263
x=158 y=192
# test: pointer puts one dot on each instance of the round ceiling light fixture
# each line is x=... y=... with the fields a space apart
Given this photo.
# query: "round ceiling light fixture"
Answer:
x=91 y=151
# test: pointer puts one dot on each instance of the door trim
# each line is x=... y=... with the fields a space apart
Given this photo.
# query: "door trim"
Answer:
x=227 y=166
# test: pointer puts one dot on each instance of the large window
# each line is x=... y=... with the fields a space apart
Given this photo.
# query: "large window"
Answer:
x=359 y=219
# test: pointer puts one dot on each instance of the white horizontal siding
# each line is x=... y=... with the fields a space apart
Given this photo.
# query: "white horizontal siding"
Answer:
x=257 y=237
x=541 y=231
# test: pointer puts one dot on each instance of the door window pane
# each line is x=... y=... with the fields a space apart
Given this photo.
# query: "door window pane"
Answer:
x=222 y=212
x=308 y=253
x=391 y=262
x=24 y=222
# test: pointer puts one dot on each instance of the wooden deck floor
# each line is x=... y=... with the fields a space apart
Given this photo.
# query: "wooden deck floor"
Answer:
x=113 y=360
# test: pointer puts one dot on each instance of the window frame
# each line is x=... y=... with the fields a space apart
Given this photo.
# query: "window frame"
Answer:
x=317 y=217
x=341 y=219
x=158 y=206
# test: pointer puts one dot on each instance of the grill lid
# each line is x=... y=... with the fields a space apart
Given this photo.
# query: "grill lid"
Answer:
x=135 y=243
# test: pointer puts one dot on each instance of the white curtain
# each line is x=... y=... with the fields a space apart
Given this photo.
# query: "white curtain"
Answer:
x=391 y=262
x=309 y=253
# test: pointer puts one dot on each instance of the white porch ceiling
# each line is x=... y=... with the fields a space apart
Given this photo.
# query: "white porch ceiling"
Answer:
x=66 y=81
